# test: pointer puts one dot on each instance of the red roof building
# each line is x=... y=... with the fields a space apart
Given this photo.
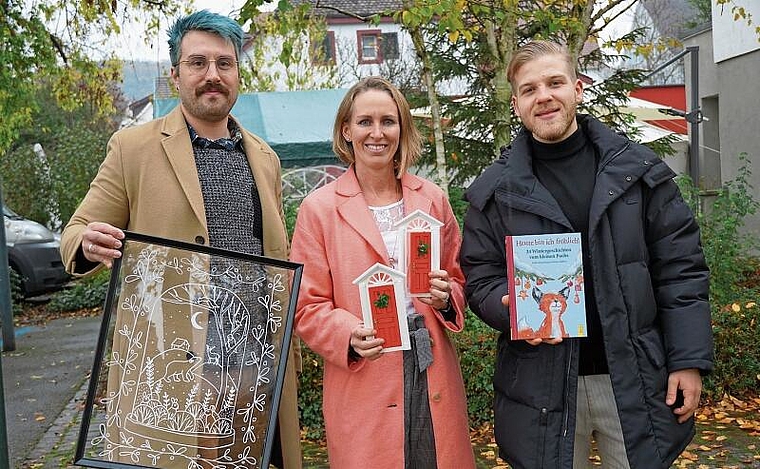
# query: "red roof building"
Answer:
x=670 y=96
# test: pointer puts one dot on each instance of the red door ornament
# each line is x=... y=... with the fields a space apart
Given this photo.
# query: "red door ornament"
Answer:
x=384 y=314
x=419 y=262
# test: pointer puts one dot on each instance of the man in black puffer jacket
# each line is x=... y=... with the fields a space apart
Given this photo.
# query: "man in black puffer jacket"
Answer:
x=634 y=383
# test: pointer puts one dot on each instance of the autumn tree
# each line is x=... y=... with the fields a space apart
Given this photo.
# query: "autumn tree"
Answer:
x=661 y=27
x=472 y=42
x=61 y=43
x=284 y=52
x=478 y=48
x=48 y=167
x=740 y=13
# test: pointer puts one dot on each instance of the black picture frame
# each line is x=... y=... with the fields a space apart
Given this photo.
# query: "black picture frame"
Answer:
x=191 y=356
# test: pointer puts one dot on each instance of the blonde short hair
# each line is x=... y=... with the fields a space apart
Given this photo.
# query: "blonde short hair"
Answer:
x=537 y=49
x=410 y=142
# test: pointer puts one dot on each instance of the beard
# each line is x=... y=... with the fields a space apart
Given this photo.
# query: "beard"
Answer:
x=209 y=108
x=556 y=130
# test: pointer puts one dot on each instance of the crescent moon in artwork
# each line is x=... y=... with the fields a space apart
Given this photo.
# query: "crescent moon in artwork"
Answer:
x=194 y=320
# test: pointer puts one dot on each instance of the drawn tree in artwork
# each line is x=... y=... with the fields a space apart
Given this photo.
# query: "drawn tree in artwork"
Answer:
x=191 y=370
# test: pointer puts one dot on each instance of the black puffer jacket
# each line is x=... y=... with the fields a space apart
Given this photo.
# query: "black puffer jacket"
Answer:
x=651 y=285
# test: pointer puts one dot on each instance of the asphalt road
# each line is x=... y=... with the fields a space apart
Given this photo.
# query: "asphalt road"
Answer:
x=40 y=378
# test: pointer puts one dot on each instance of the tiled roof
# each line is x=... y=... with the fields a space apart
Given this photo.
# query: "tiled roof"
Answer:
x=358 y=7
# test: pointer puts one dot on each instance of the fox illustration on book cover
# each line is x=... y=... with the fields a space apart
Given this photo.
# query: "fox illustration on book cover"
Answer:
x=553 y=305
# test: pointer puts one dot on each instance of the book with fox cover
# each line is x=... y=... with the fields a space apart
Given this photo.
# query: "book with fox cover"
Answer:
x=546 y=289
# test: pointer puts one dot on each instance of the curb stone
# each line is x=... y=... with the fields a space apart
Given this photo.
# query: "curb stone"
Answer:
x=56 y=448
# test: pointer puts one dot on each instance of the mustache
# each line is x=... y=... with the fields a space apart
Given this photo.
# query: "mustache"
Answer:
x=211 y=87
x=547 y=109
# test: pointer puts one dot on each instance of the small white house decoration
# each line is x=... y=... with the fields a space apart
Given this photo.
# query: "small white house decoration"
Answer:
x=421 y=249
x=381 y=290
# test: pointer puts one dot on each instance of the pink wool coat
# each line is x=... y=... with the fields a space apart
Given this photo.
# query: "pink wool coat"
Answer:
x=336 y=239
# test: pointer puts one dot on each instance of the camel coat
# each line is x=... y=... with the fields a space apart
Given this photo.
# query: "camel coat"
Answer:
x=148 y=184
x=336 y=239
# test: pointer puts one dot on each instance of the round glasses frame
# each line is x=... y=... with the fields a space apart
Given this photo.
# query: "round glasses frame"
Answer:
x=200 y=65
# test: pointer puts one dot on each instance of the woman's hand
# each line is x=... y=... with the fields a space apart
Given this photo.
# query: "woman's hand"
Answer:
x=440 y=290
x=364 y=346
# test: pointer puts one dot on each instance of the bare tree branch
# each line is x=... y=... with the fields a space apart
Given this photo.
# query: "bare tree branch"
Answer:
x=365 y=19
x=58 y=44
x=599 y=14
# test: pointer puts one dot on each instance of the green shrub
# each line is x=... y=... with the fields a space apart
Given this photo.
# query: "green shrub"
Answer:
x=734 y=284
x=290 y=207
x=17 y=296
x=726 y=249
x=74 y=160
x=310 y=394
x=27 y=185
x=458 y=204
x=88 y=292
x=736 y=328
x=476 y=346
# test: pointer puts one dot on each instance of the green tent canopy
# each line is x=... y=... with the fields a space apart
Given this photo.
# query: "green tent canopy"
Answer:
x=296 y=124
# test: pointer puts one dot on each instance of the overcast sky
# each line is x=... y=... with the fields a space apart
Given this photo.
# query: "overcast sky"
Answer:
x=131 y=43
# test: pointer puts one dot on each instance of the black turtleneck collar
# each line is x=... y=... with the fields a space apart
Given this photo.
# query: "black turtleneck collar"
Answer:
x=552 y=151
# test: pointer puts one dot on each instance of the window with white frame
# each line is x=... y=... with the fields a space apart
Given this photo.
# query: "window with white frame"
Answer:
x=368 y=43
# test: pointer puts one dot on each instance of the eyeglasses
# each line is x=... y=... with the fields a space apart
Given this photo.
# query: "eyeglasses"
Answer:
x=199 y=64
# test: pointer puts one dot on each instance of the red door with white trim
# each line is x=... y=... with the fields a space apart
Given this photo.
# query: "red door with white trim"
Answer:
x=383 y=302
x=419 y=262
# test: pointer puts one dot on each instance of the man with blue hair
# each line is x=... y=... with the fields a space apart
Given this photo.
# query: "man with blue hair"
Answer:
x=194 y=175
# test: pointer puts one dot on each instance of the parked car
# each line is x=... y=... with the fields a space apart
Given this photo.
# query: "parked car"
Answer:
x=33 y=252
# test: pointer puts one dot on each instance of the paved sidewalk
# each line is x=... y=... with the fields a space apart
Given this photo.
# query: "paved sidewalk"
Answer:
x=58 y=444
x=45 y=384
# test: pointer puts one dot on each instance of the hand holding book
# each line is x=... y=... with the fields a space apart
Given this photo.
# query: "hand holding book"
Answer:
x=537 y=341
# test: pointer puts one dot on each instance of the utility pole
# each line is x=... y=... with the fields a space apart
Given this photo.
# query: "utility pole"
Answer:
x=6 y=309
x=694 y=117
x=9 y=343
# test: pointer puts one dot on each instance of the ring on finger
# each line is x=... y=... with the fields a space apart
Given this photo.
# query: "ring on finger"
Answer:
x=91 y=246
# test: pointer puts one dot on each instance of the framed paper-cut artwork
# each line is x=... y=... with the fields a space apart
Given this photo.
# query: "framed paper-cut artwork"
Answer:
x=191 y=357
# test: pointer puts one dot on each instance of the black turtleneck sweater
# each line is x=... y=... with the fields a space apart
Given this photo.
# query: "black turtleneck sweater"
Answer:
x=568 y=170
